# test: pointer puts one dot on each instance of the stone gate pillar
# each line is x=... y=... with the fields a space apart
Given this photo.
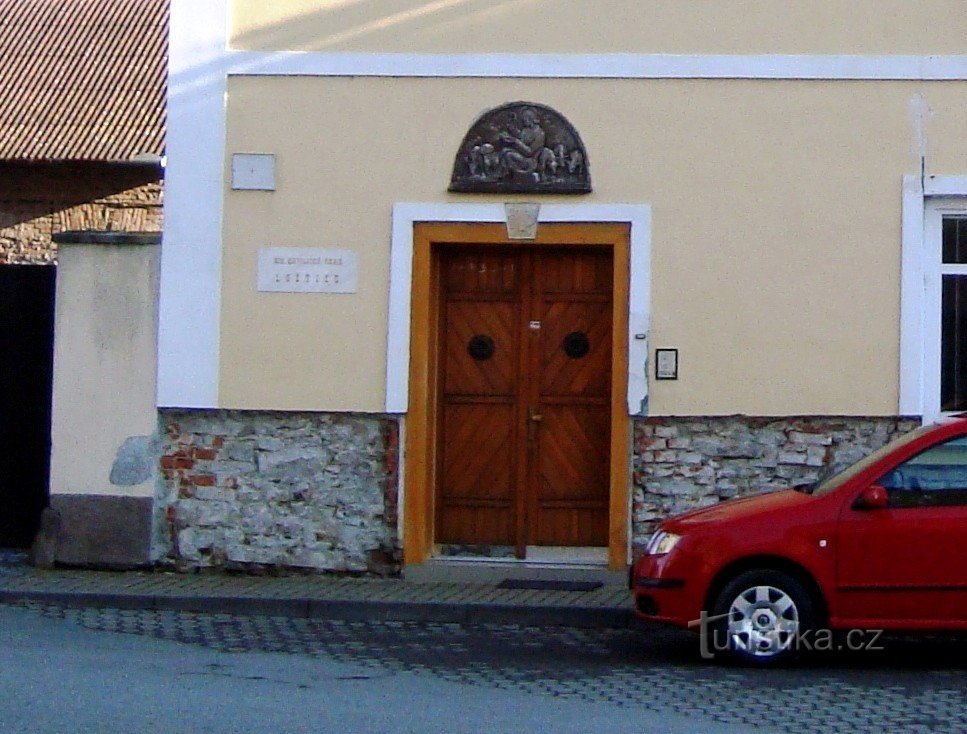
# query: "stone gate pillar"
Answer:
x=104 y=431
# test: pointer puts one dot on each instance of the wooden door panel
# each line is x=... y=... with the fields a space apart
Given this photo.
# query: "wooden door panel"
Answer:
x=504 y=478
x=571 y=487
x=571 y=272
x=475 y=524
x=571 y=502
x=481 y=273
x=570 y=460
x=495 y=375
x=479 y=451
x=476 y=502
x=569 y=525
x=479 y=440
x=588 y=375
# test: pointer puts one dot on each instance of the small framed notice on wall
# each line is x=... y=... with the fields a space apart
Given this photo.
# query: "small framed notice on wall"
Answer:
x=307 y=270
x=666 y=364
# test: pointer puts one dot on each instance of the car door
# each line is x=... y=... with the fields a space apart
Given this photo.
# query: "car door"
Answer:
x=905 y=565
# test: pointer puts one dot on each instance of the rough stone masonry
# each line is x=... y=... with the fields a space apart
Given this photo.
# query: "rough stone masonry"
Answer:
x=318 y=492
x=257 y=490
x=683 y=463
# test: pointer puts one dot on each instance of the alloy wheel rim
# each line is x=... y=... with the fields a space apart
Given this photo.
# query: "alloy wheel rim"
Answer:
x=763 y=621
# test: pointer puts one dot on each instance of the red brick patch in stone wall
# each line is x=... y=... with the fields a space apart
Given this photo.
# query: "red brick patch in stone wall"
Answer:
x=260 y=491
x=391 y=438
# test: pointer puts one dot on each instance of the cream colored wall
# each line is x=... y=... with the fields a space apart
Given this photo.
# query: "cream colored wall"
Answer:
x=776 y=226
x=602 y=26
x=104 y=364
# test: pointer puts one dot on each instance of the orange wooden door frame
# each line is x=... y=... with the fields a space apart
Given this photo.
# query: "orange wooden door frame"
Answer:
x=421 y=427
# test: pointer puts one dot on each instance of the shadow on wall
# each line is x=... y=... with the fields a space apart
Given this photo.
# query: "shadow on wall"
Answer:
x=38 y=200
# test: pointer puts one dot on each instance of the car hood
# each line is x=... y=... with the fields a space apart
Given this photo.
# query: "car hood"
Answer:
x=738 y=509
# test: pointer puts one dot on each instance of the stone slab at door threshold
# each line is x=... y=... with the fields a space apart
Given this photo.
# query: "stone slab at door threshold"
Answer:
x=475 y=570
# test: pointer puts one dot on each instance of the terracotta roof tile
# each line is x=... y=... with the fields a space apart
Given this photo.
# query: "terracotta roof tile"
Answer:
x=82 y=79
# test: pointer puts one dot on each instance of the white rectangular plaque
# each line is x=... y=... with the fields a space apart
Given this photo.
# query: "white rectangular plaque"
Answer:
x=307 y=270
x=253 y=171
x=666 y=364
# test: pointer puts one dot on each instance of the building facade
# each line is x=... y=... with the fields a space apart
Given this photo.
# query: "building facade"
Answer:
x=520 y=279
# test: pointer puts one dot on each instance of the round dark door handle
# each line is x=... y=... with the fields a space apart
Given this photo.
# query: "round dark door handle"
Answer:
x=576 y=344
x=481 y=347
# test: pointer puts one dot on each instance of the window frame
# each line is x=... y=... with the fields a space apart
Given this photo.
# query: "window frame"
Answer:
x=934 y=269
x=925 y=199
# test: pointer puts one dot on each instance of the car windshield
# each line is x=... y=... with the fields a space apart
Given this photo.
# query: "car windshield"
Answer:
x=837 y=480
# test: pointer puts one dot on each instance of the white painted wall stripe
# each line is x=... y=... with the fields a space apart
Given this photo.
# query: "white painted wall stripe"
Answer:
x=601 y=66
x=911 y=299
x=191 y=253
x=405 y=215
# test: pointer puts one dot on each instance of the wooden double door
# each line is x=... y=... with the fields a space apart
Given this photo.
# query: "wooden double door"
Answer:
x=524 y=416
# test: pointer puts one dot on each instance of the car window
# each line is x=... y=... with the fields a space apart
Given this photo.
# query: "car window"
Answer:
x=840 y=478
x=934 y=477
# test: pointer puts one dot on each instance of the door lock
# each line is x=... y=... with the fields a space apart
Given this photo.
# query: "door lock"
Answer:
x=533 y=422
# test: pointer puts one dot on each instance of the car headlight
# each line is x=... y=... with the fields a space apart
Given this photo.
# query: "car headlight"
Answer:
x=661 y=543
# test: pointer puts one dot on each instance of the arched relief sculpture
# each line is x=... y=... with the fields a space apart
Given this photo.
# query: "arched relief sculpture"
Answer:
x=521 y=148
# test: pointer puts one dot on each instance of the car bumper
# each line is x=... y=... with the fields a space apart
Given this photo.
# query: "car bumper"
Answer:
x=660 y=596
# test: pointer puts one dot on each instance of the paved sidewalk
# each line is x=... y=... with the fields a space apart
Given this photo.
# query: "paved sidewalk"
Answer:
x=317 y=596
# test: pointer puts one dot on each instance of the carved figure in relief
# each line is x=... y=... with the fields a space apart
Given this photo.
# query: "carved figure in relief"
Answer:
x=575 y=161
x=525 y=152
x=485 y=161
x=520 y=148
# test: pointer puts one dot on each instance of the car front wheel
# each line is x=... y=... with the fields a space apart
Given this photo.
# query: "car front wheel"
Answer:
x=760 y=617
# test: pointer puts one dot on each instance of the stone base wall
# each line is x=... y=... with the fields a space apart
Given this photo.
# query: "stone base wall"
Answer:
x=38 y=200
x=684 y=463
x=258 y=490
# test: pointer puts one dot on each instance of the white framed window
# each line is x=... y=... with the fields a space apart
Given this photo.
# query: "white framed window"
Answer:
x=945 y=312
x=933 y=297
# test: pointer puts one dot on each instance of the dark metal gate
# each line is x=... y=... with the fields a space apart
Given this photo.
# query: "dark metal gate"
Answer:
x=26 y=370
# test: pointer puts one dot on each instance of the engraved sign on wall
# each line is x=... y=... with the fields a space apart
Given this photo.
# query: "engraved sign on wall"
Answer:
x=306 y=270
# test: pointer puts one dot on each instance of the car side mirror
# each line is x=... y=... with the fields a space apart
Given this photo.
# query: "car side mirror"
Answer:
x=873 y=497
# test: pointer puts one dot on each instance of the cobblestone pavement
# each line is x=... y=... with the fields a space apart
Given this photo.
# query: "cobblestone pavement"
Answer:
x=912 y=686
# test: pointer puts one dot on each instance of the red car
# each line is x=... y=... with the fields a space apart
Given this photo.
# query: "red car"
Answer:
x=880 y=546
